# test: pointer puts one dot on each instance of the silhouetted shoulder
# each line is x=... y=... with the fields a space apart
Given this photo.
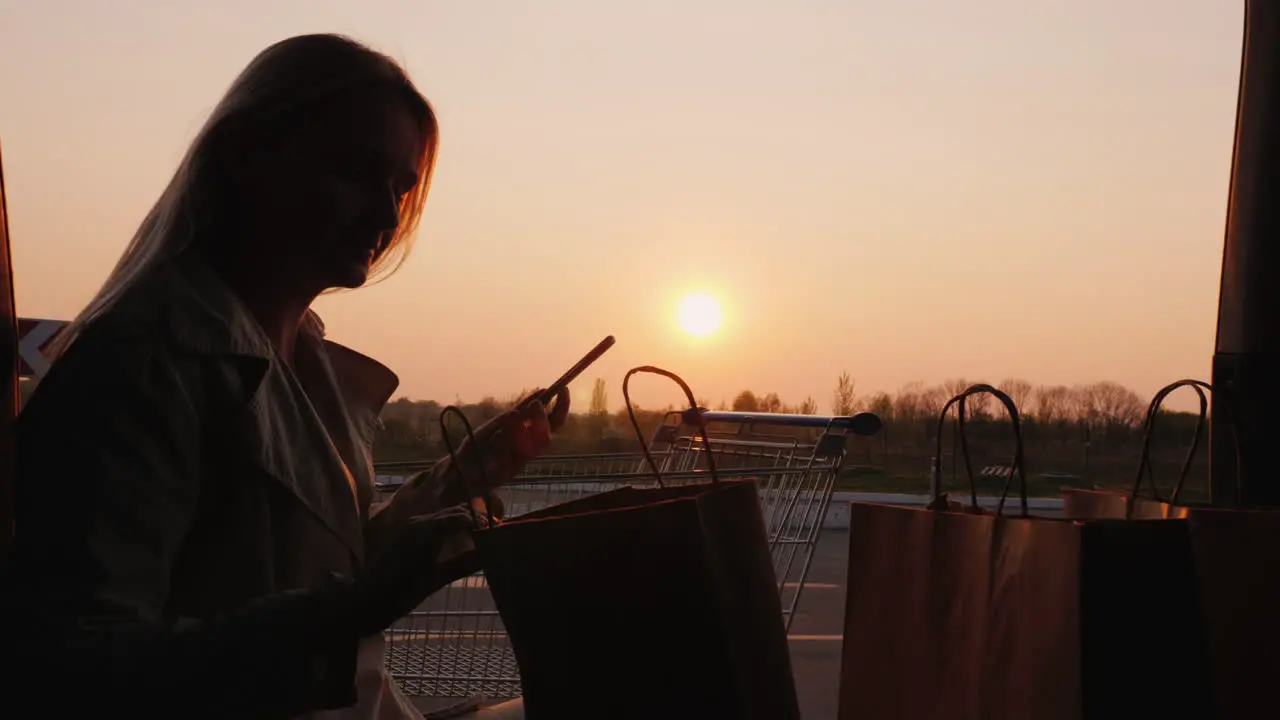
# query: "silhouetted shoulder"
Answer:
x=125 y=354
x=115 y=426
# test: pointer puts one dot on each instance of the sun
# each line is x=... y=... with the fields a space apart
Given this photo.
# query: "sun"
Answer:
x=699 y=315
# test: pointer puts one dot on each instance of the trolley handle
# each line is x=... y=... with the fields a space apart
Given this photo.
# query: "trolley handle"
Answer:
x=862 y=424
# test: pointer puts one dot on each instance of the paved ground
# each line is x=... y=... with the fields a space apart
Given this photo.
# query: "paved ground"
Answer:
x=817 y=629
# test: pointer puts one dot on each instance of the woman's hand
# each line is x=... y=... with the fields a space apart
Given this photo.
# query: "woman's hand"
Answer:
x=506 y=444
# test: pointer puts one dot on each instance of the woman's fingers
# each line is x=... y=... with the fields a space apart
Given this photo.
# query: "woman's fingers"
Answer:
x=488 y=506
x=534 y=433
x=560 y=410
x=497 y=508
x=507 y=443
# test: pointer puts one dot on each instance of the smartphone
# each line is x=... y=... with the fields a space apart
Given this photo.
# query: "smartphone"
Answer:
x=600 y=349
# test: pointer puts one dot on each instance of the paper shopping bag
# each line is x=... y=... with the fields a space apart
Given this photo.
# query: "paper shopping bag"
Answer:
x=1238 y=583
x=1237 y=574
x=960 y=615
x=653 y=603
x=1085 y=504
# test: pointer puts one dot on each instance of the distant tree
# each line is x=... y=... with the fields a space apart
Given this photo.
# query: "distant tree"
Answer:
x=975 y=406
x=511 y=400
x=397 y=430
x=1019 y=391
x=882 y=405
x=982 y=405
x=1105 y=412
x=771 y=403
x=906 y=404
x=1080 y=405
x=1112 y=405
x=949 y=389
x=842 y=399
x=808 y=407
x=746 y=401
x=487 y=409
x=979 y=406
x=597 y=419
x=955 y=386
x=930 y=401
x=1052 y=404
x=599 y=399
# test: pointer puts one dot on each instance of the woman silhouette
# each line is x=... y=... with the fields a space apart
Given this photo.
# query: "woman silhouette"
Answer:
x=195 y=533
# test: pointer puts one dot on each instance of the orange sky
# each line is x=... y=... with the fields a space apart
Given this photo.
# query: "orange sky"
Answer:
x=903 y=189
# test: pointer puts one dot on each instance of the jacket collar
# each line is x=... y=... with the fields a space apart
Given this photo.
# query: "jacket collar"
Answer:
x=205 y=317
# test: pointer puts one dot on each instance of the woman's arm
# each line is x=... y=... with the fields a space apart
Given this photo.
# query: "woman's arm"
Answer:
x=424 y=492
x=107 y=486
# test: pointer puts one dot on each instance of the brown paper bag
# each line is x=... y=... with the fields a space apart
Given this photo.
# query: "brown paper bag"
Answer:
x=1237 y=574
x=960 y=615
x=652 y=603
x=957 y=614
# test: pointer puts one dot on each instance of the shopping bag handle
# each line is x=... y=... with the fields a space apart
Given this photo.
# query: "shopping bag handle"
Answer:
x=457 y=467
x=1145 y=471
x=1018 y=459
x=693 y=412
x=1223 y=403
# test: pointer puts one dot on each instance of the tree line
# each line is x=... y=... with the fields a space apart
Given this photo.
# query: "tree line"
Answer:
x=1101 y=415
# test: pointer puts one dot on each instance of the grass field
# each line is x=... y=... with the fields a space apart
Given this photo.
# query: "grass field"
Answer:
x=910 y=475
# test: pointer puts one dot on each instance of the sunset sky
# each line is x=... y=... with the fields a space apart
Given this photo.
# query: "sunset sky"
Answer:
x=903 y=189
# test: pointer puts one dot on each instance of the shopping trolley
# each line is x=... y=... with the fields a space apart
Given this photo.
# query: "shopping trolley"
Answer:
x=454 y=645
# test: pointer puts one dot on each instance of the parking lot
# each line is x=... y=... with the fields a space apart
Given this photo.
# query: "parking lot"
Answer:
x=817 y=630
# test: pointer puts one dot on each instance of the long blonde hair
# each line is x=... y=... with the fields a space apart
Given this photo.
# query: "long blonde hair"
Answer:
x=288 y=75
